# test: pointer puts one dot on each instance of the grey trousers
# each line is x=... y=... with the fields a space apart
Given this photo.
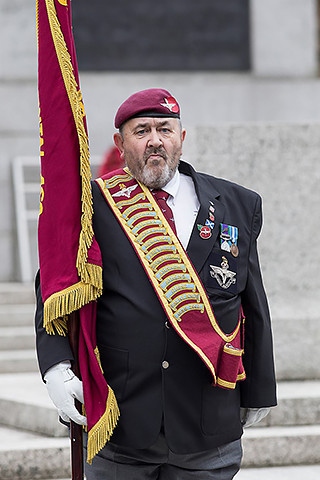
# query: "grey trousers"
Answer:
x=159 y=463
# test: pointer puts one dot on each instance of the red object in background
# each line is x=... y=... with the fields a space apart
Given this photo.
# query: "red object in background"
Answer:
x=111 y=161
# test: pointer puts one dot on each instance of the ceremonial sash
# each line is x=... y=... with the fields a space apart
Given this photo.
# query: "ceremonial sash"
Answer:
x=174 y=278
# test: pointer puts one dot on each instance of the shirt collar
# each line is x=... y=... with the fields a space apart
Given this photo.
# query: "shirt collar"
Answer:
x=172 y=187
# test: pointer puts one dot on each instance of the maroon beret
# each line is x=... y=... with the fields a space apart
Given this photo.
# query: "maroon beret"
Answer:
x=154 y=102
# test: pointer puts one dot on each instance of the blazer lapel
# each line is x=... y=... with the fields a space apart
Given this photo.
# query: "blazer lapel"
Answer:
x=199 y=248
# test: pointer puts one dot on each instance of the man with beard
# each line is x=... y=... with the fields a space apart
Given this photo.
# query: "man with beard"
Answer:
x=179 y=279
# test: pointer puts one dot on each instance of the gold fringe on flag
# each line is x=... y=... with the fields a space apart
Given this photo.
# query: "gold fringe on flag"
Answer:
x=61 y=304
x=101 y=432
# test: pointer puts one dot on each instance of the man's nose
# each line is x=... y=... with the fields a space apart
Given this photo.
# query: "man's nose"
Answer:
x=154 y=139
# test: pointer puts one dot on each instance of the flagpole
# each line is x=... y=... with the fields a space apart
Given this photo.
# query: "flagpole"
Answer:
x=76 y=430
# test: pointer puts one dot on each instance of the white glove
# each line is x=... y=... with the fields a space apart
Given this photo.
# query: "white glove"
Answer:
x=63 y=387
x=250 y=416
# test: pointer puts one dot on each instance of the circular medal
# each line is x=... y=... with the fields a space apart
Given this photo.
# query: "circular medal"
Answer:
x=234 y=250
x=205 y=232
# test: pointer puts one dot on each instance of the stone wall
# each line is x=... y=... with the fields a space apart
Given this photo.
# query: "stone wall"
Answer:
x=281 y=162
x=281 y=87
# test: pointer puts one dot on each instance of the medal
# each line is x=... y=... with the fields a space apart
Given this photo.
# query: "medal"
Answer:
x=229 y=239
x=234 y=250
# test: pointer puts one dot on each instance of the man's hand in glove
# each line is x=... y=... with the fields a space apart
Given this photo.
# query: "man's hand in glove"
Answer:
x=63 y=388
x=251 y=416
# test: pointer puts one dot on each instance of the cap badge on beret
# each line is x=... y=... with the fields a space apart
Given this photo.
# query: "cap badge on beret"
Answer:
x=171 y=104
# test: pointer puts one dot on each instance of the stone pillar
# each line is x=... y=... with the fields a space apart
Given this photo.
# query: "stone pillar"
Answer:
x=18 y=57
x=284 y=38
x=19 y=131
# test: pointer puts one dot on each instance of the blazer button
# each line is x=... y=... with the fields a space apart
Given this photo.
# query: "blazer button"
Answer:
x=167 y=325
x=165 y=364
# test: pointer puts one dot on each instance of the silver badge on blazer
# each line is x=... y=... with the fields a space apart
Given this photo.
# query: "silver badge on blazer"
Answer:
x=222 y=274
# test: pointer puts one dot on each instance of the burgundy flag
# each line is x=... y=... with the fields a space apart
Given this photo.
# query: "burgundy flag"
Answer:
x=69 y=257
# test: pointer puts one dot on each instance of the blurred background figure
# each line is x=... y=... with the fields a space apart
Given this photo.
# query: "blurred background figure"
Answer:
x=111 y=161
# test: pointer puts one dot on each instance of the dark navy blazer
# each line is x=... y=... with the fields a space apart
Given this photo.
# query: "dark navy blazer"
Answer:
x=134 y=339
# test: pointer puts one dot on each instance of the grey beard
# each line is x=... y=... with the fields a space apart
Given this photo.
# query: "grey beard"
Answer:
x=156 y=179
x=159 y=179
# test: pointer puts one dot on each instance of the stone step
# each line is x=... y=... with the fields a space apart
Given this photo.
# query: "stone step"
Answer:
x=17 y=338
x=298 y=404
x=297 y=472
x=17 y=314
x=17 y=307
x=27 y=456
x=275 y=446
x=13 y=361
x=24 y=403
x=32 y=409
x=25 y=397
x=16 y=293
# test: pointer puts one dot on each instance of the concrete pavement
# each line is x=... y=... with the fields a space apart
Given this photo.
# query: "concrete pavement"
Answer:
x=305 y=472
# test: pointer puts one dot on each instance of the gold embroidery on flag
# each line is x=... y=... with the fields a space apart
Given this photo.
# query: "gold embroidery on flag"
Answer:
x=41 y=194
x=41 y=135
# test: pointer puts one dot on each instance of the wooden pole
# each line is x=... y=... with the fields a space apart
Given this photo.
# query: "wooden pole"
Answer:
x=76 y=430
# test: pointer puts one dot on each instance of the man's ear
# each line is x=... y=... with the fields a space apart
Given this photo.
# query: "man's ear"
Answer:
x=118 y=141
